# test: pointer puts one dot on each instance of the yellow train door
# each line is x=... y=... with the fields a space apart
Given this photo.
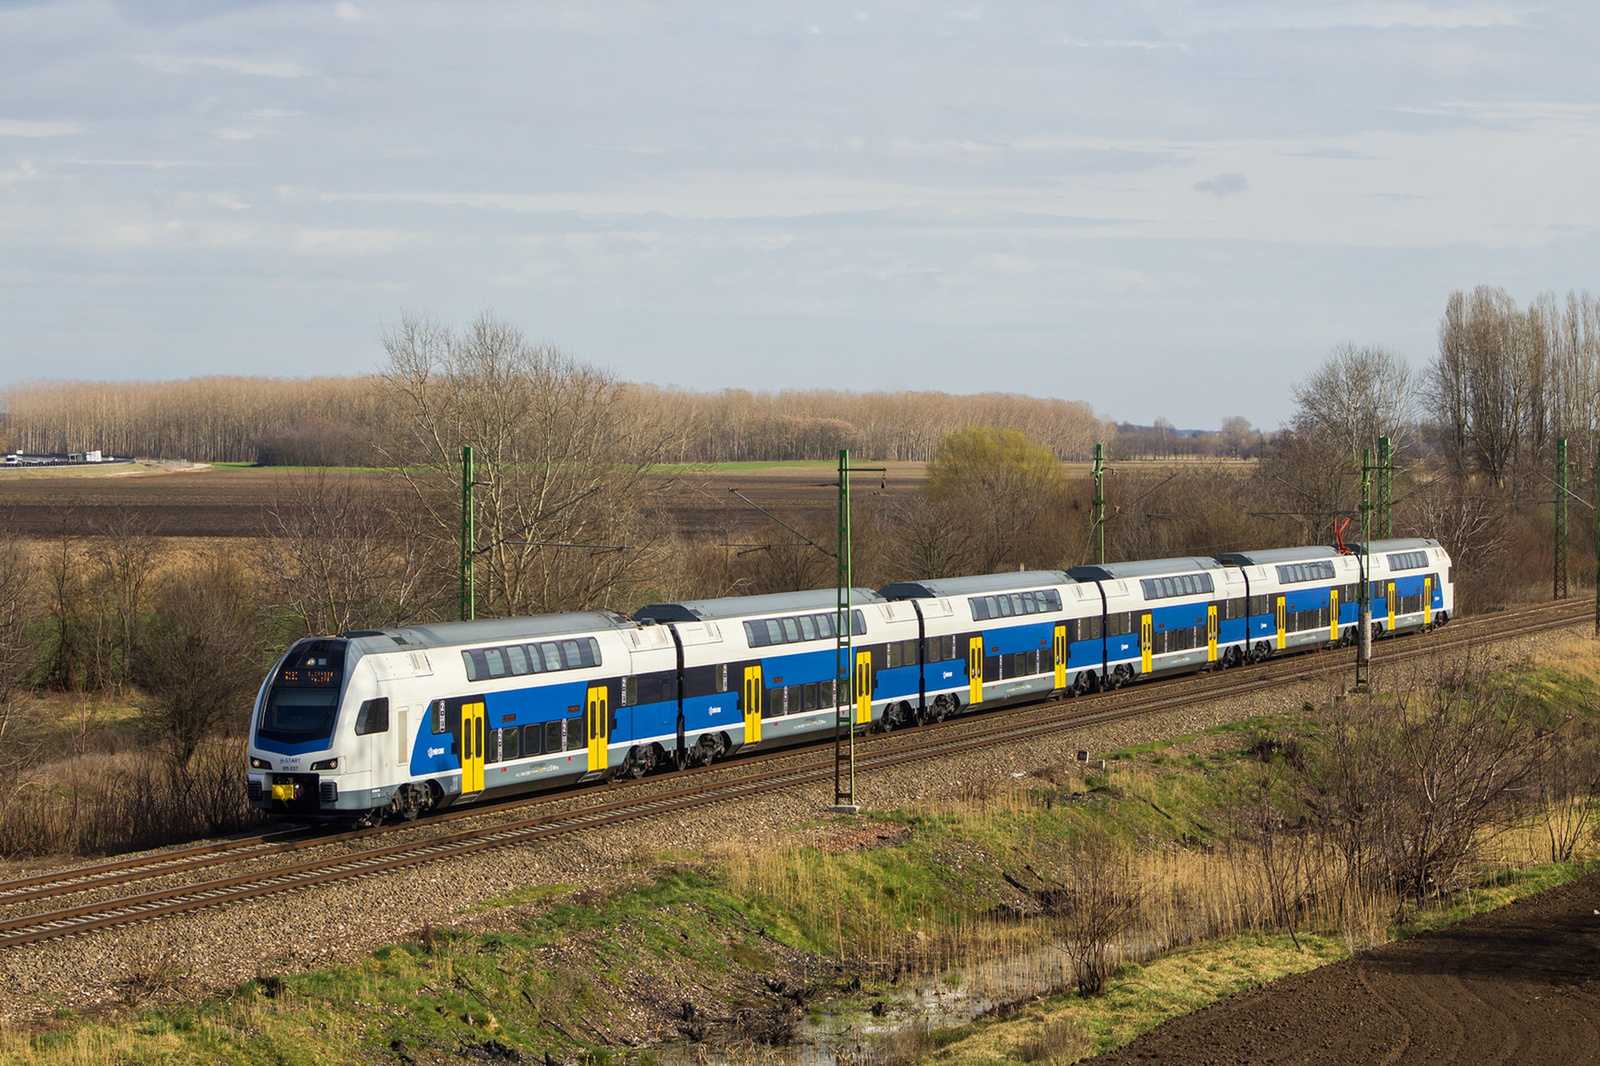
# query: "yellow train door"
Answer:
x=1282 y=611
x=1061 y=651
x=1427 y=600
x=754 y=691
x=975 y=669
x=1388 y=601
x=471 y=748
x=1146 y=639
x=1333 y=614
x=597 y=717
x=863 y=687
x=1211 y=633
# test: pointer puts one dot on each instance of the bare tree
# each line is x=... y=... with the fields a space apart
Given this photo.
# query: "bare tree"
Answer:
x=1407 y=788
x=338 y=557
x=1358 y=395
x=124 y=556
x=1101 y=900
x=562 y=472
x=202 y=657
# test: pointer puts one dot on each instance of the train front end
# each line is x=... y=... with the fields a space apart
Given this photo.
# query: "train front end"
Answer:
x=294 y=764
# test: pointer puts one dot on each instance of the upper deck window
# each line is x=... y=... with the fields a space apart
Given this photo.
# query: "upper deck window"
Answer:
x=1408 y=560
x=1011 y=604
x=515 y=660
x=1165 y=588
x=798 y=628
x=1297 y=573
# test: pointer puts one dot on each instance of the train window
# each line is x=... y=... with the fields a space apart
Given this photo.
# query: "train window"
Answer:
x=908 y=652
x=496 y=658
x=510 y=743
x=700 y=681
x=373 y=717
x=1408 y=561
x=1164 y=588
x=774 y=631
x=808 y=627
x=825 y=630
x=791 y=630
x=659 y=687
x=555 y=736
x=753 y=638
x=517 y=659
x=1296 y=573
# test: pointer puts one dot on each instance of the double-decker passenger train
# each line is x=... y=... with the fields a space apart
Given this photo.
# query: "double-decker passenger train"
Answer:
x=398 y=721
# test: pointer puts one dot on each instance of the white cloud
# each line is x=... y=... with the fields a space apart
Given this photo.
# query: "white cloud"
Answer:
x=11 y=127
x=238 y=134
x=349 y=12
x=179 y=65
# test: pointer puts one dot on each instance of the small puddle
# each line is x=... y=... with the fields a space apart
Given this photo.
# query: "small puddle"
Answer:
x=849 y=1033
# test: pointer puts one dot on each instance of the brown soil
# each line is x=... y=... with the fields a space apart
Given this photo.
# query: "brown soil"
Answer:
x=230 y=502
x=1516 y=985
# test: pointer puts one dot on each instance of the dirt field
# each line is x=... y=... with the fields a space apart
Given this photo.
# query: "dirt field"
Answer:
x=229 y=502
x=1516 y=985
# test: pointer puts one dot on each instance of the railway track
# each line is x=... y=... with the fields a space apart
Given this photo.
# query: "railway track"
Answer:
x=744 y=778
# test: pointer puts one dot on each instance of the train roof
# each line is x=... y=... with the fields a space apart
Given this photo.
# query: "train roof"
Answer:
x=1278 y=555
x=1399 y=544
x=966 y=586
x=485 y=631
x=747 y=606
x=1146 y=568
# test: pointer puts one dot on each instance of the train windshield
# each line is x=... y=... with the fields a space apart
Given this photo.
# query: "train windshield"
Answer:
x=304 y=699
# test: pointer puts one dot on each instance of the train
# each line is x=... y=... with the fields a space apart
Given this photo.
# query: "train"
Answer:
x=384 y=724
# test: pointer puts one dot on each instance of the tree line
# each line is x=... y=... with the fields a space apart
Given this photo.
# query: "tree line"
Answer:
x=340 y=421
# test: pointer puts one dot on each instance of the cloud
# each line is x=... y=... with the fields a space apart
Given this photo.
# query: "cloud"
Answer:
x=179 y=65
x=1333 y=152
x=1148 y=46
x=1223 y=185
x=349 y=12
x=15 y=127
x=238 y=134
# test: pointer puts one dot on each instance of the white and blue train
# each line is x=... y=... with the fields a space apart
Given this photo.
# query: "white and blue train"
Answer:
x=395 y=722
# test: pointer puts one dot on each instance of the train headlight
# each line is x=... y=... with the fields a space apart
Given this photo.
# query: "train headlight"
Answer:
x=259 y=764
x=326 y=764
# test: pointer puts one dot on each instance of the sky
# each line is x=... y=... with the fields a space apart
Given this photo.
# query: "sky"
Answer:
x=1169 y=209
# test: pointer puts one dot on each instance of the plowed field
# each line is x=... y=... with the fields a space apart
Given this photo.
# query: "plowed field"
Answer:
x=1516 y=985
x=229 y=502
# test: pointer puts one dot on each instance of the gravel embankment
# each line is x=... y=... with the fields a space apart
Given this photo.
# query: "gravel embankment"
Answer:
x=216 y=948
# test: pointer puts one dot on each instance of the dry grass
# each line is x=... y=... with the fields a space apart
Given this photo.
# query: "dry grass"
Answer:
x=99 y=802
x=1575 y=656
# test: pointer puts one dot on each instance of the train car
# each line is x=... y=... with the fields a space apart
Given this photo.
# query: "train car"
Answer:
x=1413 y=584
x=402 y=720
x=1299 y=597
x=763 y=670
x=1000 y=638
x=1166 y=615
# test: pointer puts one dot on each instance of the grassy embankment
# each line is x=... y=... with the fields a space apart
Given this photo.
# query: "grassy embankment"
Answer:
x=754 y=937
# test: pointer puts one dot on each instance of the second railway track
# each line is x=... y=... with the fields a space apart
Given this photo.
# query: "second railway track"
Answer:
x=742 y=779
